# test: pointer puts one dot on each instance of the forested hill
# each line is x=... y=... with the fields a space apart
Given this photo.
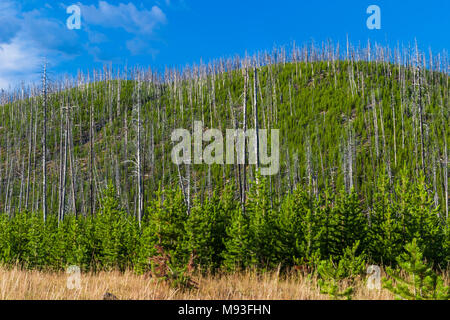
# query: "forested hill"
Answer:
x=360 y=121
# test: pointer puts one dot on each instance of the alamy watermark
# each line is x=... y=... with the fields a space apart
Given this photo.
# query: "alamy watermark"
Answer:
x=74 y=278
x=374 y=280
x=374 y=20
x=74 y=20
x=235 y=145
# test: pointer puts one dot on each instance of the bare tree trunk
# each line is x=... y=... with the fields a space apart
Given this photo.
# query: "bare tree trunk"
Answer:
x=44 y=146
x=21 y=183
x=61 y=165
x=421 y=124
x=64 y=169
x=73 y=172
x=91 y=154
x=445 y=155
x=394 y=129
x=138 y=152
x=255 y=109
x=30 y=150
x=350 y=159
x=244 y=125
x=375 y=124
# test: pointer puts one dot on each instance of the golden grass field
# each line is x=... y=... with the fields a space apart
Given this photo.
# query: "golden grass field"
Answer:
x=16 y=284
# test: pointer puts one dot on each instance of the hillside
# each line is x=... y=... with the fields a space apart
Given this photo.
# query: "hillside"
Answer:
x=341 y=124
x=356 y=123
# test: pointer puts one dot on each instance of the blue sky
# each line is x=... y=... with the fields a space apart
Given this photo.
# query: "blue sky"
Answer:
x=180 y=32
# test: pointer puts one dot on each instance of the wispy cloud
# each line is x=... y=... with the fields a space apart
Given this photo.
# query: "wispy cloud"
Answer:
x=140 y=24
x=18 y=62
x=125 y=16
x=10 y=22
x=27 y=37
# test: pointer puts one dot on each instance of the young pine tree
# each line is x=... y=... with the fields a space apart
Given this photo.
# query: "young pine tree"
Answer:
x=205 y=231
x=385 y=230
x=420 y=283
x=164 y=225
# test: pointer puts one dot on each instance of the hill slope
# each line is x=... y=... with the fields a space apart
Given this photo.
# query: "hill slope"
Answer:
x=363 y=165
x=342 y=123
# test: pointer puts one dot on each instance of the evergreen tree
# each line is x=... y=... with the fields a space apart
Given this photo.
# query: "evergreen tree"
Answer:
x=164 y=225
x=262 y=227
x=350 y=224
x=421 y=283
x=385 y=232
x=238 y=252
x=205 y=231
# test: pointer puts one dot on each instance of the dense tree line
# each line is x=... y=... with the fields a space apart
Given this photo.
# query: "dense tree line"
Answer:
x=301 y=229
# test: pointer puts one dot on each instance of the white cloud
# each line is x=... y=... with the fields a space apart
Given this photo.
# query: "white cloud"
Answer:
x=9 y=25
x=96 y=37
x=29 y=37
x=140 y=23
x=26 y=39
x=137 y=46
x=16 y=54
x=124 y=16
x=18 y=62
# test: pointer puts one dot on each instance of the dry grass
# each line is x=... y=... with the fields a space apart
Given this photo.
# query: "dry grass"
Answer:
x=16 y=284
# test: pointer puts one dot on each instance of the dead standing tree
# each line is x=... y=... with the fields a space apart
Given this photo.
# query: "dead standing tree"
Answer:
x=244 y=127
x=138 y=150
x=255 y=110
x=44 y=145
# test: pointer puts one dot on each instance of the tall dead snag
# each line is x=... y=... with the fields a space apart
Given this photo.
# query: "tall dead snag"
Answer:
x=386 y=155
x=394 y=128
x=44 y=145
x=125 y=150
x=61 y=164
x=444 y=159
x=402 y=112
x=375 y=124
x=138 y=151
x=73 y=172
x=445 y=163
x=418 y=104
x=244 y=126
x=34 y=196
x=212 y=110
x=91 y=150
x=255 y=110
x=421 y=122
x=309 y=169
x=350 y=145
x=30 y=150
x=237 y=168
x=64 y=164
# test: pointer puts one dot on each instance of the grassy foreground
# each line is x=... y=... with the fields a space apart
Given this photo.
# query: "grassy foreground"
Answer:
x=16 y=284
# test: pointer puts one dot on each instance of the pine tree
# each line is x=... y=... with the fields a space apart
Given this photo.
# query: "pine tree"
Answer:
x=421 y=282
x=113 y=236
x=424 y=223
x=349 y=221
x=333 y=274
x=238 y=253
x=164 y=226
x=308 y=242
x=205 y=230
x=262 y=225
x=385 y=232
